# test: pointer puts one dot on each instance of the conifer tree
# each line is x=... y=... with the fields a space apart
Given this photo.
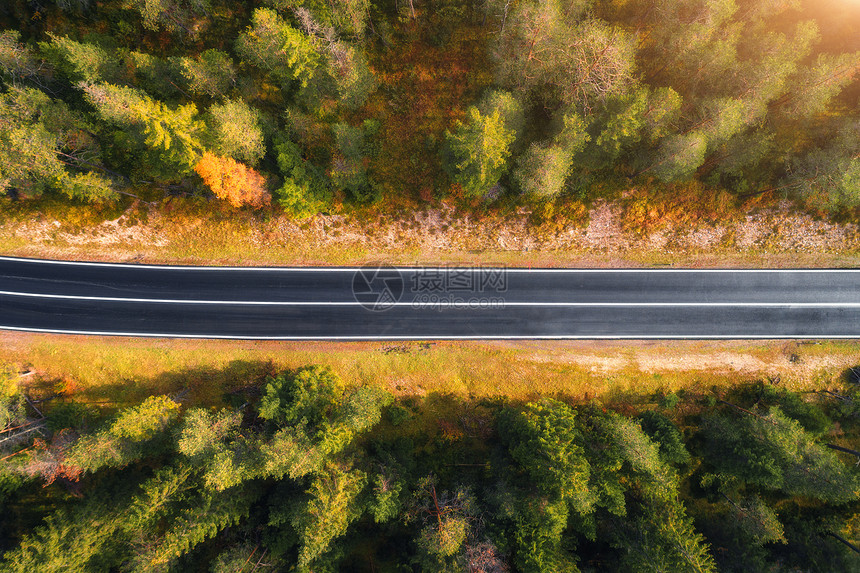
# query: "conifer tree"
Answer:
x=333 y=503
x=171 y=137
x=126 y=439
x=81 y=61
x=276 y=47
x=234 y=130
x=39 y=139
x=774 y=452
x=479 y=150
x=18 y=62
x=212 y=73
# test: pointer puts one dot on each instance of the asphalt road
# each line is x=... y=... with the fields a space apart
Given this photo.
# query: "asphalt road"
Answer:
x=424 y=303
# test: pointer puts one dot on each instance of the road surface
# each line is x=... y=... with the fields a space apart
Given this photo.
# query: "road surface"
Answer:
x=425 y=303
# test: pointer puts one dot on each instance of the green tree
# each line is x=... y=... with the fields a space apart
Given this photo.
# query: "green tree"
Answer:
x=204 y=433
x=627 y=465
x=814 y=87
x=509 y=107
x=828 y=176
x=170 y=15
x=333 y=503
x=170 y=136
x=308 y=397
x=83 y=540
x=310 y=419
x=235 y=131
x=81 y=61
x=154 y=75
x=546 y=443
x=347 y=68
x=385 y=505
x=666 y=435
x=446 y=521
x=211 y=73
x=17 y=61
x=276 y=47
x=537 y=538
x=349 y=172
x=88 y=186
x=662 y=539
x=640 y=455
x=351 y=16
x=758 y=523
x=28 y=152
x=680 y=156
x=543 y=169
x=549 y=50
x=130 y=436
x=479 y=150
x=774 y=452
x=39 y=139
x=304 y=191
x=203 y=517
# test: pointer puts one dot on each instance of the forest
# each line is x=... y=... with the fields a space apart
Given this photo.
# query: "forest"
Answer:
x=310 y=105
x=299 y=470
x=318 y=106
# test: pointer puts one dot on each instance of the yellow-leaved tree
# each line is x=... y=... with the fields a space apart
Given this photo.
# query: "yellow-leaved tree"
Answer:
x=233 y=181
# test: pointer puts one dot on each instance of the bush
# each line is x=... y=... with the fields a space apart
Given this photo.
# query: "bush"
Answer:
x=398 y=414
x=70 y=415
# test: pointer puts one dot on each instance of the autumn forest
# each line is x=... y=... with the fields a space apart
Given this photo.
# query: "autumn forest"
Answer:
x=306 y=104
x=303 y=108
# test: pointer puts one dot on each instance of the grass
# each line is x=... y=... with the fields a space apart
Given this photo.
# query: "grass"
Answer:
x=184 y=231
x=113 y=372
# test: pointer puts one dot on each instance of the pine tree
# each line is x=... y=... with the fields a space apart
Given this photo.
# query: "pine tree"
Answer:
x=81 y=61
x=829 y=176
x=39 y=138
x=28 y=154
x=813 y=87
x=551 y=51
x=774 y=452
x=666 y=435
x=87 y=538
x=234 y=130
x=546 y=443
x=212 y=73
x=663 y=539
x=274 y=46
x=203 y=517
x=170 y=137
x=333 y=503
x=479 y=150
x=127 y=438
x=17 y=61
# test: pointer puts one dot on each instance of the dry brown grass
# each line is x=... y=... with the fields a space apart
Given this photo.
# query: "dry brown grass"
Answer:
x=622 y=233
x=118 y=371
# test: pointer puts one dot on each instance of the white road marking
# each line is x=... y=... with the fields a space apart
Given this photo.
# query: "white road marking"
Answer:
x=432 y=305
x=409 y=269
x=438 y=304
x=436 y=337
